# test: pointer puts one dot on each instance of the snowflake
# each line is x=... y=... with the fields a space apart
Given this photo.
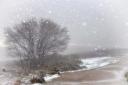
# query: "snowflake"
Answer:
x=84 y=24
x=101 y=5
x=50 y=12
x=126 y=23
x=94 y=32
x=95 y=49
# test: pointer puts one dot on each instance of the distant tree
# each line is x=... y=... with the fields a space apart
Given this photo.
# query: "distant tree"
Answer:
x=34 y=39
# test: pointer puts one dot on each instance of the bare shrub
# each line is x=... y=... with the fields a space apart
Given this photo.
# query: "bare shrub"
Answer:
x=56 y=63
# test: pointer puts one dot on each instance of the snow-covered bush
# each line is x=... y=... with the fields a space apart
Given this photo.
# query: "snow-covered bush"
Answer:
x=38 y=78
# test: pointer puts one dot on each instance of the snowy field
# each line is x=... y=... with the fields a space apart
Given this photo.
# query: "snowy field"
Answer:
x=97 y=62
x=87 y=64
x=92 y=63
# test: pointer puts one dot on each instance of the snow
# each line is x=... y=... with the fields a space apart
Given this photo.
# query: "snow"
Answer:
x=8 y=79
x=37 y=84
x=87 y=64
x=48 y=78
x=51 y=77
x=50 y=12
x=92 y=63
x=126 y=23
x=84 y=24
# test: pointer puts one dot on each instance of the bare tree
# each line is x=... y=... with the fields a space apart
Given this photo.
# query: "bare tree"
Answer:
x=32 y=40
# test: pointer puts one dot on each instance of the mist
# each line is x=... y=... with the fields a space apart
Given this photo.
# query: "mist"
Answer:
x=35 y=33
x=91 y=24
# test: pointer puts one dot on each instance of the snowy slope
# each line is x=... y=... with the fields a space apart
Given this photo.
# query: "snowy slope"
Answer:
x=92 y=63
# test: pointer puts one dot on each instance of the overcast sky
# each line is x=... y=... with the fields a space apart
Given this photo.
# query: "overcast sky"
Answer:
x=91 y=23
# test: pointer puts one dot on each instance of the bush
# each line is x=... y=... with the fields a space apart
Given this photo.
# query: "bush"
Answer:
x=53 y=64
x=126 y=76
x=37 y=80
x=62 y=63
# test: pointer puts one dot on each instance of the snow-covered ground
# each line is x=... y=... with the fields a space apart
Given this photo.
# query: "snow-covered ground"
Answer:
x=89 y=63
x=48 y=78
x=92 y=63
x=97 y=62
x=51 y=77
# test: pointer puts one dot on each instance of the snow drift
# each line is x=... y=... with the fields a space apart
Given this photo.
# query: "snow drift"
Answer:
x=92 y=63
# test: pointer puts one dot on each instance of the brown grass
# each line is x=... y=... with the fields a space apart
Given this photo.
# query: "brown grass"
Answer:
x=17 y=82
x=92 y=75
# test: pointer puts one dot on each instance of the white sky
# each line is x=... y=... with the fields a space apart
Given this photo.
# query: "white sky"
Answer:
x=91 y=23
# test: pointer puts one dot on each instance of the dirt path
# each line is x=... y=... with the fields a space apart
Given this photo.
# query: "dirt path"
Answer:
x=108 y=75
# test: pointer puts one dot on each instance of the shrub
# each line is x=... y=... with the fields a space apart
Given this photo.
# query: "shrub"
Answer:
x=126 y=76
x=37 y=80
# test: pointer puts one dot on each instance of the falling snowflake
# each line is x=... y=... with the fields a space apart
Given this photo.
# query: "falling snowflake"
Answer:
x=84 y=24
x=94 y=32
x=95 y=49
x=50 y=12
x=126 y=23
x=101 y=5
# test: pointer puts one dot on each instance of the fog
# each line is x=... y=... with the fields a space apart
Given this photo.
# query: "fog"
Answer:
x=91 y=23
